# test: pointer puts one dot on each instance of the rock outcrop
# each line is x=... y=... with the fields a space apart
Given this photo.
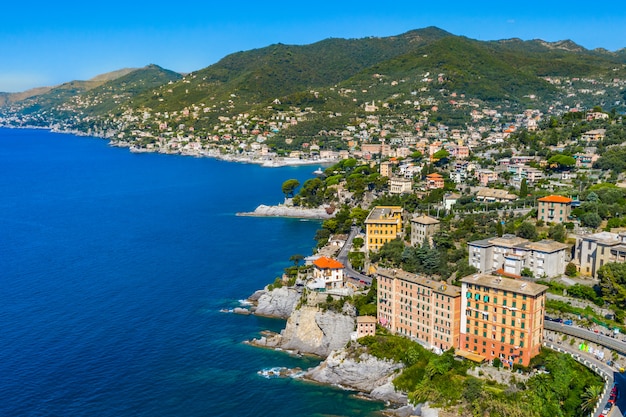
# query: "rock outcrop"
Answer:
x=289 y=211
x=310 y=330
x=279 y=303
x=313 y=331
x=361 y=372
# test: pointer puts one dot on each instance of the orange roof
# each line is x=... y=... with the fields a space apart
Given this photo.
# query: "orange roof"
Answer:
x=327 y=263
x=434 y=175
x=555 y=199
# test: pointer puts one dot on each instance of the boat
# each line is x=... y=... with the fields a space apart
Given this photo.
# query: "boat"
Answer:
x=318 y=171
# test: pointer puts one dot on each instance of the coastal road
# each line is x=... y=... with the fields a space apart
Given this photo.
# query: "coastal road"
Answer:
x=343 y=258
x=607 y=341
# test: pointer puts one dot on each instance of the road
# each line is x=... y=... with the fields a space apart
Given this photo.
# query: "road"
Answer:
x=343 y=258
x=609 y=342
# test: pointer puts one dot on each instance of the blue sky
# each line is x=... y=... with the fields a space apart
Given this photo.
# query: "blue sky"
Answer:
x=48 y=43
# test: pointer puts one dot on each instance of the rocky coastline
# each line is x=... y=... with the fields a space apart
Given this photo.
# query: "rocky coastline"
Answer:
x=281 y=210
x=311 y=331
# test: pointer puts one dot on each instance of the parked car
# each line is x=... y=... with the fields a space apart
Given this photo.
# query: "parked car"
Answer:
x=607 y=409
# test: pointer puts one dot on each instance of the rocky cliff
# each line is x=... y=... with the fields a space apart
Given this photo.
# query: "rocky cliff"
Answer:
x=289 y=211
x=278 y=303
x=313 y=331
x=361 y=372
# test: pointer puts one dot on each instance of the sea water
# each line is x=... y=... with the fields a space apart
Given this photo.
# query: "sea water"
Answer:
x=113 y=270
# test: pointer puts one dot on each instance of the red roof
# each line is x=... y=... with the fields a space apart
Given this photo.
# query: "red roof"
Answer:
x=327 y=263
x=555 y=199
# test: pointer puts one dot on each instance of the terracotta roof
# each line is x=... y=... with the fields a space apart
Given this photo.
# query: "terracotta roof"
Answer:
x=434 y=175
x=327 y=263
x=555 y=199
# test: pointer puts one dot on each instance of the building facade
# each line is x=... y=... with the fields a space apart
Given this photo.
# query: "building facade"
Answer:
x=400 y=185
x=422 y=229
x=434 y=181
x=554 y=209
x=594 y=250
x=510 y=254
x=502 y=318
x=383 y=224
x=329 y=272
x=420 y=308
x=365 y=326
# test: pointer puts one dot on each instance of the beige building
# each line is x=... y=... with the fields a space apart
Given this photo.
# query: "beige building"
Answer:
x=554 y=209
x=422 y=229
x=510 y=254
x=365 y=326
x=502 y=318
x=493 y=195
x=400 y=185
x=594 y=250
x=385 y=169
x=383 y=224
x=420 y=308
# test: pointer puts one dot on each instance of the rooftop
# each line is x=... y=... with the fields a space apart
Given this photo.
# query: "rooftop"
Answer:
x=440 y=287
x=327 y=263
x=555 y=199
x=384 y=213
x=505 y=284
x=425 y=220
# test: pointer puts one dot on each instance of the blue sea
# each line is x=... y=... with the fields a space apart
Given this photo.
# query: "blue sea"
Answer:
x=113 y=270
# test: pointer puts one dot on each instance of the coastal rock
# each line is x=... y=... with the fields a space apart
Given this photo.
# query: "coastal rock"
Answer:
x=289 y=211
x=361 y=372
x=278 y=303
x=310 y=330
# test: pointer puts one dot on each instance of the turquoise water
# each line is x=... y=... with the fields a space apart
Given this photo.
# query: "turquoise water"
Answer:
x=113 y=270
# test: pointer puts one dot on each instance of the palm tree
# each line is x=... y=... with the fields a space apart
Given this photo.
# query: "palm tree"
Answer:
x=590 y=397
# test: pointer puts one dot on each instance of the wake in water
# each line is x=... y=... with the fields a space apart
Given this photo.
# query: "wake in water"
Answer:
x=280 y=372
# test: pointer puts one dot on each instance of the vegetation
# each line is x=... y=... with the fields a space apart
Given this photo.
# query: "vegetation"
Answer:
x=443 y=380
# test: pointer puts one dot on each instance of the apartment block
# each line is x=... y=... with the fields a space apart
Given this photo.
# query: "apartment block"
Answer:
x=400 y=185
x=418 y=307
x=594 y=250
x=554 y=209
x=422 y=229
x=510 y=254
x=502 y=318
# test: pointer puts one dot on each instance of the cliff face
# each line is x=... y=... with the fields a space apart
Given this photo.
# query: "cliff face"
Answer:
x=278 y=303
x=318 y=332
x=312 y=331
x=361 y=372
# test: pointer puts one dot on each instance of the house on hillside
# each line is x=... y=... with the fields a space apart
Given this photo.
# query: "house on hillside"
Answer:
x=554 y=208
x=327 y=273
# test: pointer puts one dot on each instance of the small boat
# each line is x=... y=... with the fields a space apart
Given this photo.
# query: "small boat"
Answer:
x=318 y=171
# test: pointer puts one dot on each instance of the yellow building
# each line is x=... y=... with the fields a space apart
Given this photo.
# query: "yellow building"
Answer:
x=383 y=224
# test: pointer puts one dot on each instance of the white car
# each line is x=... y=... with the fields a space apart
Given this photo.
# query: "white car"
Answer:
x=607 y=409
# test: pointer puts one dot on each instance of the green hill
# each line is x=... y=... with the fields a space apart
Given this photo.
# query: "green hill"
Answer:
x=339 y=76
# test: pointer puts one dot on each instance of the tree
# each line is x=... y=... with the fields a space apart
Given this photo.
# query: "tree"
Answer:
x=570 y=270
x=557 y=232
x=592 y=220
x=590 y=398
x=296 y=259
x=289 y=187
x=523 y=188
x=527 y=231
